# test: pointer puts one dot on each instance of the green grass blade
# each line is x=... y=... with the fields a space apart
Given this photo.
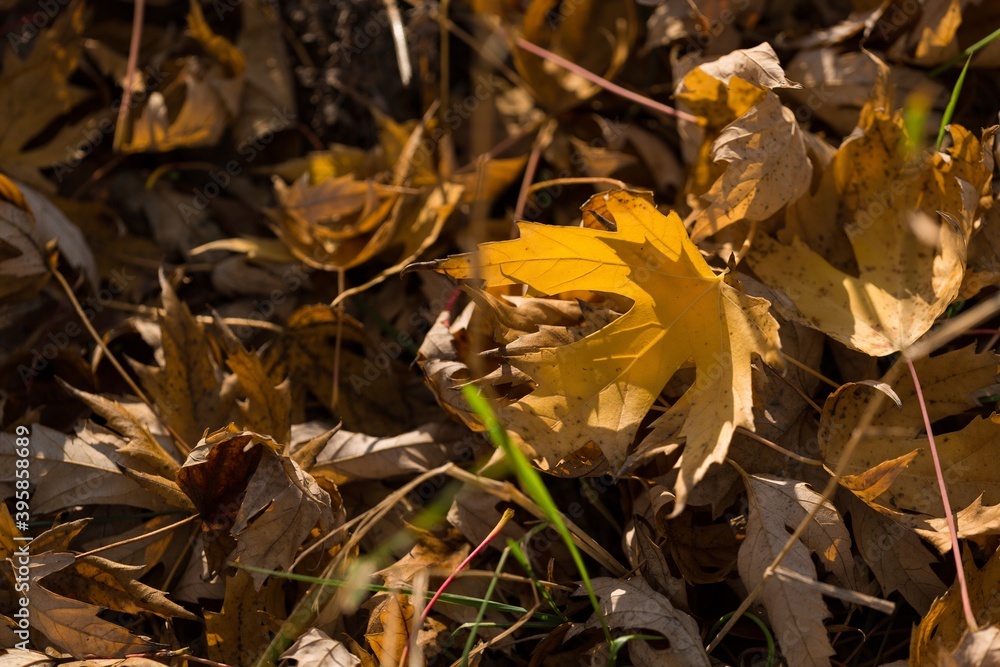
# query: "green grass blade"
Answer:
x=533 y=485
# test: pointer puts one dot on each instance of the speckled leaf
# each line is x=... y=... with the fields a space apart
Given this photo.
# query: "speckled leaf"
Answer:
x=908 y=221
x=767 y=168
x=968 y=456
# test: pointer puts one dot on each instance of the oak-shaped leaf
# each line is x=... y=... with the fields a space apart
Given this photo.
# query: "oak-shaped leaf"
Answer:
x=597 y=390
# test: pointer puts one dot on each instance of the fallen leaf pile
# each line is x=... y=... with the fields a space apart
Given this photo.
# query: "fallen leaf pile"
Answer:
x=725 y=271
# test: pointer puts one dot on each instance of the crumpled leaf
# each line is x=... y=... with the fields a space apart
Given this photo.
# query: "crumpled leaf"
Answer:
x=908 y=223
x=633 y=606
x=598 y=389
x=767 y=168
x=796 y=610
x=949 y=382
x=197 y=104
x=247 y=491
x=719 y=92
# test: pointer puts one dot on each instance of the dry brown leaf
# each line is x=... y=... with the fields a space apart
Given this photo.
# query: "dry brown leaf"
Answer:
x=777 y=506
x=908 y=223
x=74 y=470
x=247 y=491
x=389 y=627
x=138 y=442
x=71 y=625
x=950 y=382
x=268 y=405
x=975 y=521
x=187 y=384
x=633 y=606
x=719 y=92
x=350 y=457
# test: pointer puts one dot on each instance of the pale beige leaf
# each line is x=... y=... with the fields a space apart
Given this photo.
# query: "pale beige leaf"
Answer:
x=315 y=647
x=634 y=607
x=796 y=610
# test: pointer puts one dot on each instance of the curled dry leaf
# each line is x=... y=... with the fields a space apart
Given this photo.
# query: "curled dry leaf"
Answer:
x=747 y=128
x=943 y=629
x=598 y=389
x=197 y=104
x=907 y=222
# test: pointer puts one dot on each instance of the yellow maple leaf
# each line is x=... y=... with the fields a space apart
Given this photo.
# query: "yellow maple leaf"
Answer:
x=598 y=389
x=907 y=224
